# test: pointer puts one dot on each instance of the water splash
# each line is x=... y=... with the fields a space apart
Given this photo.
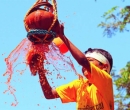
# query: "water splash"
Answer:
x=22 y=55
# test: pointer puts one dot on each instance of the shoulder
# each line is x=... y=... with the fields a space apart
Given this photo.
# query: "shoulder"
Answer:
x=97 y=71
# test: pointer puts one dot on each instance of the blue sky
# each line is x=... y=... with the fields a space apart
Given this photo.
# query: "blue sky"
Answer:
x=81 y=19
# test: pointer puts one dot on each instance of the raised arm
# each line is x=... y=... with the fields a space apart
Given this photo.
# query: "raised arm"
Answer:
x=48 y=92
x=76 y=53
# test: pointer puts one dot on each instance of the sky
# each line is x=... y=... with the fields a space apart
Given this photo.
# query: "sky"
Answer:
x=80 y=20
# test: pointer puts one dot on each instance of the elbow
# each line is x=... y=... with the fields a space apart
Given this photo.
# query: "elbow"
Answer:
x=49 y=96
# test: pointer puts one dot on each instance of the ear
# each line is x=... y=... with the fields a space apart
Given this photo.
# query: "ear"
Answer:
x=105 y=67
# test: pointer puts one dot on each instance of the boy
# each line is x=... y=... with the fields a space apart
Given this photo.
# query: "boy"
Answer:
x=95 y=92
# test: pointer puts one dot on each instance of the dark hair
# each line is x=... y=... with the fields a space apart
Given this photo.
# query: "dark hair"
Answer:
x=104 y=53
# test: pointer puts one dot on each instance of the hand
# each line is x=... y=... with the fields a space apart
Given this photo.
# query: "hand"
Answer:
x=61 y=30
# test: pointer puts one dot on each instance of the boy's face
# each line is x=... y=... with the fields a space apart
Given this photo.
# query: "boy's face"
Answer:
x=96 y=63
x=99 y=60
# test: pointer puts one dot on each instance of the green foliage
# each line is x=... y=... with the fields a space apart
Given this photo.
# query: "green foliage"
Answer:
x=109 y=12
x=124 y=79
x=116 y=19
x=122 y=83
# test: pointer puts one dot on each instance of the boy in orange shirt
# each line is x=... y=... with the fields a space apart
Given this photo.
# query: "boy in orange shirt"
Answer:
x=95 y=92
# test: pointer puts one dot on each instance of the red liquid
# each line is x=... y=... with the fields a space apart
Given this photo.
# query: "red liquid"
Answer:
x=24 y=52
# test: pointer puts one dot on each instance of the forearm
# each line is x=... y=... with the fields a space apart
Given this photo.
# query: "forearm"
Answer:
x=76 y=53
x=46 y=88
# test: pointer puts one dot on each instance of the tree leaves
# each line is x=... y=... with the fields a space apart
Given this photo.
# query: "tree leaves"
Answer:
x=116 y=20
x=122 y=83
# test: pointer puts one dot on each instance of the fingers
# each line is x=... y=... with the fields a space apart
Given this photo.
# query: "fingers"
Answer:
x=61 y=30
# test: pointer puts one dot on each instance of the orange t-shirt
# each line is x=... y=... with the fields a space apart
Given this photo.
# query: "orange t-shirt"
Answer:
x=98 y=96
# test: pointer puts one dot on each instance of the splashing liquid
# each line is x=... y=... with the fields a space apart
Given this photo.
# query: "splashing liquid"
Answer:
x=25 y=50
